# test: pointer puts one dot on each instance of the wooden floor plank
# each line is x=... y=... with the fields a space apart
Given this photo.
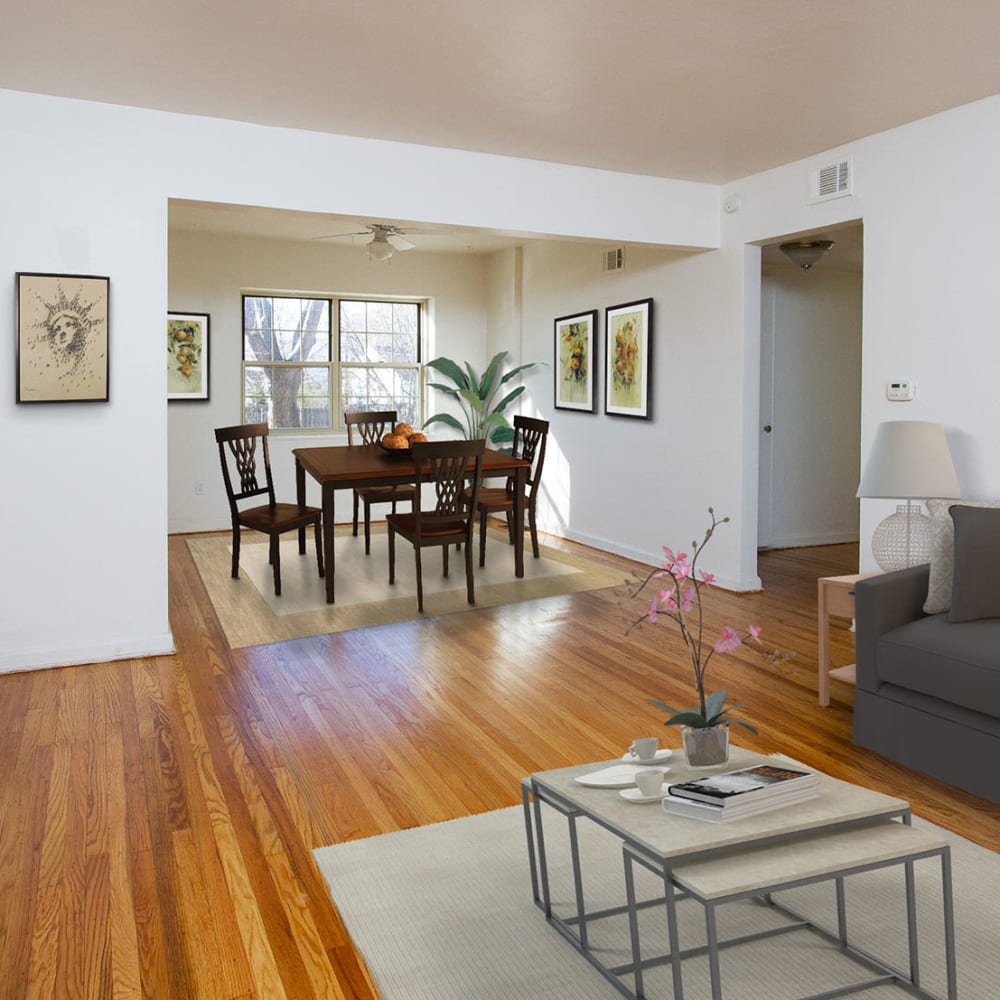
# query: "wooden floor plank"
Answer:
x=157 y=816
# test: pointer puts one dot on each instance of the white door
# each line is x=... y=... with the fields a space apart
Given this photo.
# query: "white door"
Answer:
x=765 y=429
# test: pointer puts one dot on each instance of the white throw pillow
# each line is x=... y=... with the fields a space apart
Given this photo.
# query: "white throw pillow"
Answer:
x=942 y=544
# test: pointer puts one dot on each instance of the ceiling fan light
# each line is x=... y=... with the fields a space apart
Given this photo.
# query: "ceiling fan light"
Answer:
x=380 y=249
x=805 y=253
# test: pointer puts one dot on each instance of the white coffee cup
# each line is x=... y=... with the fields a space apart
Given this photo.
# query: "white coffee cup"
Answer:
x=649 y=780
x=645 y=747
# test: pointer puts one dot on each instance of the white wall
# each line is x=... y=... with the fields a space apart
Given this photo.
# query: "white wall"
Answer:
x=208 y=273
x=84 y=189
x=926 y=193
x=626 y=485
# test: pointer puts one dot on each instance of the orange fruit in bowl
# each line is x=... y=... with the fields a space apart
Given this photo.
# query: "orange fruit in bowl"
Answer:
x=403 y=430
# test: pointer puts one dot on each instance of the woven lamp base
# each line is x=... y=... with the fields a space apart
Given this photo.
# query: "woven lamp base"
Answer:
x=889 y=542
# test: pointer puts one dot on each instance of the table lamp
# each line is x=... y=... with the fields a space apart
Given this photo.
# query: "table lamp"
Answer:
x=910 y=459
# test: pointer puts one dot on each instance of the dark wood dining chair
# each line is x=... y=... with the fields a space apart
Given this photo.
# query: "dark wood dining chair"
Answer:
x=446 y=465
x=249 y=457
x=369 y=427
x=530 y=435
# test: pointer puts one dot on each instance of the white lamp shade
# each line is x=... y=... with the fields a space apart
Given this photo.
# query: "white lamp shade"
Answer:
x=909 y=459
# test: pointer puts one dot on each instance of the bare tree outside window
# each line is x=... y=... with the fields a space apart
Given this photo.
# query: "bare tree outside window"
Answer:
x=299 y=372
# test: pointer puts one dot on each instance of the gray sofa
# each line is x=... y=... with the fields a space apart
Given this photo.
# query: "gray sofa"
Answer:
x=928 y=689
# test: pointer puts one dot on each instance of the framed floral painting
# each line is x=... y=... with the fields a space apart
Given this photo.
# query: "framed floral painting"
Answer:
x=62 y=338
x=575 y=337
x=187 y=355
x=628 y=331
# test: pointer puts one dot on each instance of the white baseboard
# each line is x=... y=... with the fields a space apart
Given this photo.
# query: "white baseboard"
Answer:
x=655 y=558
x=802 y=541
x=41 y=657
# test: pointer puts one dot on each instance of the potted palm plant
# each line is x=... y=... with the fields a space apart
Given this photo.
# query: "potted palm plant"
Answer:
x=480 y=399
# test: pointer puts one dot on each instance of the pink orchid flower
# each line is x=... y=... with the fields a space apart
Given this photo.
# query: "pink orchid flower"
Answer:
x=651 y=614
x=687 y=598
x=754 y=631
x=707 y=578
x=729 y=641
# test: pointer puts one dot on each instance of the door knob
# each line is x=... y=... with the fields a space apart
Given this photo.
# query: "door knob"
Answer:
x=767 y=428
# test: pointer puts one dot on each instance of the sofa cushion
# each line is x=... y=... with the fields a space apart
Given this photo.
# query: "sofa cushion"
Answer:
x=942 y=552
x=975 y=591
x=957 y=663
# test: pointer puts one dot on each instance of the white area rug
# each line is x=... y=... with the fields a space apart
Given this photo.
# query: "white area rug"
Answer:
x=444 y=912
x=250 y=614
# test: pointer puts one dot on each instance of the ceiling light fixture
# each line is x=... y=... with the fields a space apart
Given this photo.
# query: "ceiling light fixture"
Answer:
x=805 y=253
x=380 y=248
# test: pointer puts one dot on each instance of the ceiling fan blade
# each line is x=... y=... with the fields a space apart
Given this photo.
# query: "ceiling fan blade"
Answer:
x=399 y=242
x=334 y=236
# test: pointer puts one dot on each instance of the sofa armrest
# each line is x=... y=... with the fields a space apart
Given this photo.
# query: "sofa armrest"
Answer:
x=882 y=603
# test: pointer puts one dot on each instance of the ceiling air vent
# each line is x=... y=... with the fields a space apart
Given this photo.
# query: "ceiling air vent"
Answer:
x=613 y=259
x=834 y=180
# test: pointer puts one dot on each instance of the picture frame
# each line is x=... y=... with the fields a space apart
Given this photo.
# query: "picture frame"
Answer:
x=628 y=334
x=188 y=343
x=575 y=339
x=61 y=325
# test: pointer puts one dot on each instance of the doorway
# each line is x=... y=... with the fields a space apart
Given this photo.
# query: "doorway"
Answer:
x=810 y=395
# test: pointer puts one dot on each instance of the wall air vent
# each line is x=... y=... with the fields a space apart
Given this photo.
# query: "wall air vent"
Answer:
x=833 y=180
x=613 y=259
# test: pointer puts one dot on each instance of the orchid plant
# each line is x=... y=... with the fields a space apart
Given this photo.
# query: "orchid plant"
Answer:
x=680 y=600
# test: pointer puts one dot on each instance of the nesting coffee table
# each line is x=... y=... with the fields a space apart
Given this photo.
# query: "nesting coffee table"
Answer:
x=846 y=830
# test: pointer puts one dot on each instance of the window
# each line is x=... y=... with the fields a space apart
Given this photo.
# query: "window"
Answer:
x=307 y=360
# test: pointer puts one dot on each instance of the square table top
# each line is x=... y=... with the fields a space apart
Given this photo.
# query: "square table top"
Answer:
x=671 y=837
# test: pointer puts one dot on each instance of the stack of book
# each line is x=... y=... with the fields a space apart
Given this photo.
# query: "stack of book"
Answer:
x=721 y=798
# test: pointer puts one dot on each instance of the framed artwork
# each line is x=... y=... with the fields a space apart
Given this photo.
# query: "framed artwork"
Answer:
x=187 y=355
x=575 y=337
x=628 y=332
x=62 y=337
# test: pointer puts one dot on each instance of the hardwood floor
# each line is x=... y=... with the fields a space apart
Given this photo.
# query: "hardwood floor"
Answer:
x=157 y=815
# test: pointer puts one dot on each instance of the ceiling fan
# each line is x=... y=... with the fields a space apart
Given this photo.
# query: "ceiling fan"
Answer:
x=385 y=240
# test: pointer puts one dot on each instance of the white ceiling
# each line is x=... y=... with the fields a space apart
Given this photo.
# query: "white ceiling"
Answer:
x=709 y=90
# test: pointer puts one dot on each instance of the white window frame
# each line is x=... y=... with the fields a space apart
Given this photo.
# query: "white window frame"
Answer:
x=335 y=366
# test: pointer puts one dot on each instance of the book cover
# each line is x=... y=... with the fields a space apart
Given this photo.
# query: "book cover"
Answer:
x=760 y=781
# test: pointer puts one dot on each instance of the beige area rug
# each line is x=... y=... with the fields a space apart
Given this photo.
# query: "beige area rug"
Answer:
x=251 y=615
x=445 y=912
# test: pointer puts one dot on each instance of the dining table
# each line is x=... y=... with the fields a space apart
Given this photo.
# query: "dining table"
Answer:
x=348 y=467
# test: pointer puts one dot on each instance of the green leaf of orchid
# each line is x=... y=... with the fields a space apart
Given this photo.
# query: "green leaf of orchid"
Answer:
x=665 y=707
x=714 y=703
x=694 y=719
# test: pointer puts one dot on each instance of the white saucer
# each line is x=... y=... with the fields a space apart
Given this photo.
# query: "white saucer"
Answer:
x=634 y=795
x=657 y=758
x=616 y=776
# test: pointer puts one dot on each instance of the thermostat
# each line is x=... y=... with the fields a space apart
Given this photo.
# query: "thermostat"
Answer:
x=900 y=391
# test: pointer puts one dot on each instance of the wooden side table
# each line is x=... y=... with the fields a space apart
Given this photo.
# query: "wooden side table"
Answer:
x=836 y=597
